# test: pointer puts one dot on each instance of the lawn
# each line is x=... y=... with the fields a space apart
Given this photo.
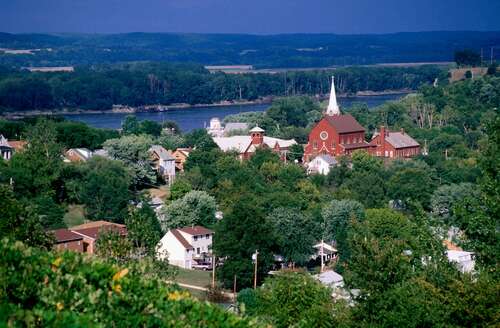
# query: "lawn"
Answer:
x=194 y=277
x=74 y=216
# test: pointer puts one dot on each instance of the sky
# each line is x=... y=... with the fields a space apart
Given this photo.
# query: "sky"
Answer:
x=247 y=16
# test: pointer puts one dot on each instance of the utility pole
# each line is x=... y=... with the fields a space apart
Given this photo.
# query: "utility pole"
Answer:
x=213 y=271
x=255 y=270
x=322 y=260
x=234 y=290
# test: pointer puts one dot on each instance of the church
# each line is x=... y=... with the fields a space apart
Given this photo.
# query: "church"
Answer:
x=336 y=134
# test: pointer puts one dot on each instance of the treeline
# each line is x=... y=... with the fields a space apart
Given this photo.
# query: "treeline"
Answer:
x=99 y=88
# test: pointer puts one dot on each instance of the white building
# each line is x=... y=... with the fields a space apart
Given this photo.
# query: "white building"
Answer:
x=163 y=162
x=321 y=164
x=186 y=247
x=463 y=260
x=215 y=128
x=5 y=148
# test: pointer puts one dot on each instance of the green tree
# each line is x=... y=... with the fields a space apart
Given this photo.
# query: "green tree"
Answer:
x=133 y=151
x=467 y=57
x=295 y=300
x=295 y=153
x=105 y=190
x=130 y=125
x=51 y=213
x=143 y=229
x=337 y=216
x=179 y=188
x=195 y=208
x=294 y=233
x=447 y=197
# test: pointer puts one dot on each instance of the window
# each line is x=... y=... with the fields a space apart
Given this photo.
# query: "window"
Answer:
x=315 y=144
x=195 y=238
x=208 y=236
x=198 y=250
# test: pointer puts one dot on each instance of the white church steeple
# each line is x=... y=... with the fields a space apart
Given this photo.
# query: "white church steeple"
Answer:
x=333 y=107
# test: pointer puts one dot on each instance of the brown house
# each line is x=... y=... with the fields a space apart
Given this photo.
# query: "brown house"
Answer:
x=83 y=238
x=394 y=144
x=181 y=155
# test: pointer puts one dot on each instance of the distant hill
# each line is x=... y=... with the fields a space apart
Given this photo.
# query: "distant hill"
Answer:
x=261 y=51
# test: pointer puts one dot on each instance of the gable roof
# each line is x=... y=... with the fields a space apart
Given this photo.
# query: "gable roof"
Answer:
x=4 y=142
x=95 y=232
x=83 y=153
x=181 y=239
x=399 y=139
x=344 y=123
x=94 y=224
x=196 y=230
x=65 y=235
x=257 y=129
x=162 y=153
x=242 y=143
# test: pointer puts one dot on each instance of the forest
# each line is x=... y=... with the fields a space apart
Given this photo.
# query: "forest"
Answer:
x=261 y=51
x=387 y=219
x=138 y=84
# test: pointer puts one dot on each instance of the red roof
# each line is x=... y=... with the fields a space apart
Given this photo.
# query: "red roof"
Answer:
x=344 y=123
x=181 y=239
x=96 y=231
x=65 y=235
x=196 y=230
x=17 y=144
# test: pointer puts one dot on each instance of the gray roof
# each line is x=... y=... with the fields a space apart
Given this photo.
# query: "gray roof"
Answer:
x=400 y=140
x=162 y=153
x=328 y=158
x=235 y=126
x=330 y=277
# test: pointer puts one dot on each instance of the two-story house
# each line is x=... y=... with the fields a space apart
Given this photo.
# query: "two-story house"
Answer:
x=186 y=247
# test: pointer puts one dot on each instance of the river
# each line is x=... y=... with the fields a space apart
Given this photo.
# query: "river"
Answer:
x=198 y=117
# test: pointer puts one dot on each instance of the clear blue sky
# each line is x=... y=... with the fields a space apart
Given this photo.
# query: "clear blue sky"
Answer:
x=248 y=16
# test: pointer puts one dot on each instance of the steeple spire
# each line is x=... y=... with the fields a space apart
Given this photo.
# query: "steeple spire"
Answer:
x=333 y=107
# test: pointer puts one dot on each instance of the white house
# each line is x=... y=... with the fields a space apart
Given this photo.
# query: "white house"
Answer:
x=163 y=162
x=186 y=247
x=321 y=164
x=463 y=260
x=328 y=251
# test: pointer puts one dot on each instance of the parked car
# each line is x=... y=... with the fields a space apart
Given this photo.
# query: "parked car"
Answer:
x=205 y=266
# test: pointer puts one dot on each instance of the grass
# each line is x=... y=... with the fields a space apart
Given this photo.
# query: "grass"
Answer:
x=74 y=216
x=198 y=278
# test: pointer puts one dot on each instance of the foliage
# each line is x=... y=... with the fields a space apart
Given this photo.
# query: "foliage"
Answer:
x=21 y=223
x=143 y=229
x=295 y=300
x=105 y=190
x=195 y=208
x=68 y=289
x=447 y=197
x=179 y=188
x=467 y=57
x=133 y=152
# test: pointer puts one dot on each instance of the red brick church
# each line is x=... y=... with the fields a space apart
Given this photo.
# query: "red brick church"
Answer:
x=336 y=134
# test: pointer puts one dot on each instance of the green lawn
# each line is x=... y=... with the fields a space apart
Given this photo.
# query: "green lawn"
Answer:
x=194 y=277
x=74 y=216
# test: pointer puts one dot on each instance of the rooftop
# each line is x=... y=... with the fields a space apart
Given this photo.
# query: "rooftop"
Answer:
x=65 y=235
x=162 y=153
x=196 y=230
x=344 y=123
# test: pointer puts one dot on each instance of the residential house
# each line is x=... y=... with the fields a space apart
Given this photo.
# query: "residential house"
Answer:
x=335 y=134
x=163 y=163
x=321 y=164
x=394 y=144
x=186 y=247
x=82 y=238
x=181 y=155
x=246 y=146
x=463 y=260
x=8 y=148
x=327 y=250
x=74 y=155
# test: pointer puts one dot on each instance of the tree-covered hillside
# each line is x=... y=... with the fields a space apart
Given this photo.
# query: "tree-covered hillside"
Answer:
x=288 y=50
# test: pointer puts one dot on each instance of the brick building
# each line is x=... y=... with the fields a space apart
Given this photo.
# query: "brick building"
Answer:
x=394 y=144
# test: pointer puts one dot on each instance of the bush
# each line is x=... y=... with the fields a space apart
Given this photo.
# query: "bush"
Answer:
x=39 y=288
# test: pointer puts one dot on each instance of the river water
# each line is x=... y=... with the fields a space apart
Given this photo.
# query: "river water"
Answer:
x=198 y=117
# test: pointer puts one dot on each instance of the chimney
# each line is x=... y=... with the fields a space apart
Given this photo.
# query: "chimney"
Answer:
x=382 y=140
x=257 y=135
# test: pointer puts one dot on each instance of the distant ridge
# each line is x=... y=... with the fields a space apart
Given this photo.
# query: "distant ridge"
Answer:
x=261 y=51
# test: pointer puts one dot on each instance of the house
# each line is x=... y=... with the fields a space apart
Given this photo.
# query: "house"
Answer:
x=246 y=146
x=82 y=238
x=181 y=155
x=74 y=155
x=394 y=144
x=8 y=148
x=187 y=247
x=68 y=240
x=163 y=163
x=463 y=260
x=216 y=129
x=335 y=134
x=321 y=164
x=327 y=250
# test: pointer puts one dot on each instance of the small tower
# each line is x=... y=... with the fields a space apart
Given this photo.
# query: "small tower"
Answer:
x=333 y=107
x=257 y=135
